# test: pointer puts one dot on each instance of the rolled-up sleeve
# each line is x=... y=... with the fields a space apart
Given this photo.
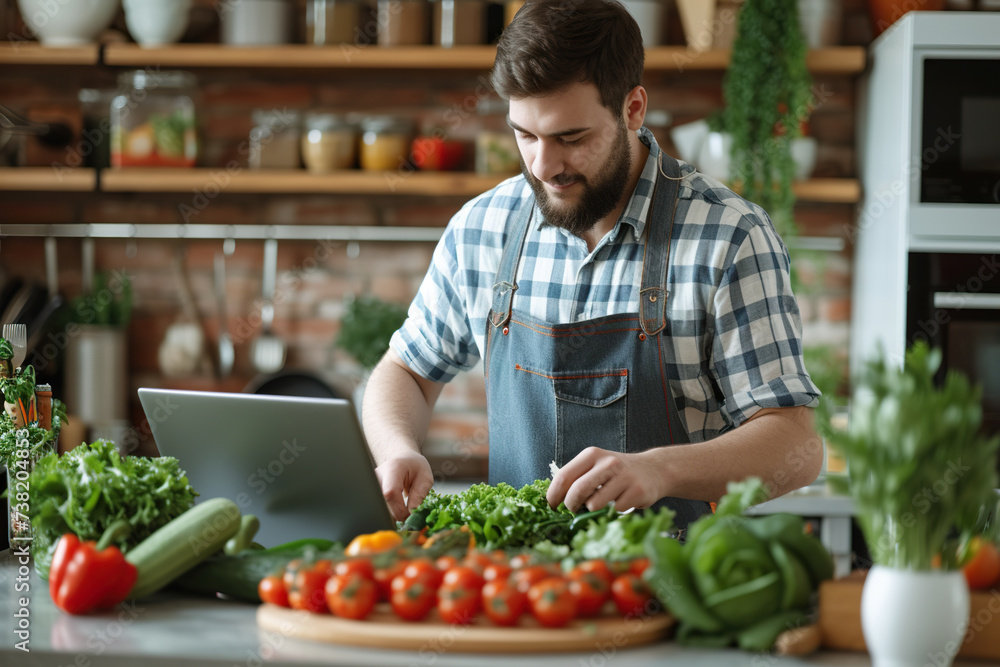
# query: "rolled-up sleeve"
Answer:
x=757 y=347
x=436 y=339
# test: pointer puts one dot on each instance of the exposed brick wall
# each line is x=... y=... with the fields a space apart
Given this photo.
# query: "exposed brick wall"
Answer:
x=311 y=290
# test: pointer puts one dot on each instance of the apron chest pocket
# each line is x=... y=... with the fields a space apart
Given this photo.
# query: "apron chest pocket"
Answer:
x=591 y=410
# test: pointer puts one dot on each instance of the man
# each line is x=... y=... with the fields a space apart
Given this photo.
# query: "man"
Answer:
x=623 y=304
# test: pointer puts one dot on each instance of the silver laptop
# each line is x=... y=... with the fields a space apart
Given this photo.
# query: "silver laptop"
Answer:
x=301 y=465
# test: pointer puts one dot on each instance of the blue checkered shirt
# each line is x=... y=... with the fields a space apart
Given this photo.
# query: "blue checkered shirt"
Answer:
x=733 y=321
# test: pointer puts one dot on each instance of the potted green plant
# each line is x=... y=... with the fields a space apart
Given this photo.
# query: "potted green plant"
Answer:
x=96 y=330
x=767 y=95
x=365 y=330
x=920 y=473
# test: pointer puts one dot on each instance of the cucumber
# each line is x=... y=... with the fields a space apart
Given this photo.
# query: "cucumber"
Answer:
x=183 y=543
x=237 y=576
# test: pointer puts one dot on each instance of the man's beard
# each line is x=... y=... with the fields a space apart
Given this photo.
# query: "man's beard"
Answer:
x=599 y=198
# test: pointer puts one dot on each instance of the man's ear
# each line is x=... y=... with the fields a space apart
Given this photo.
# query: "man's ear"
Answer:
x=635 y=108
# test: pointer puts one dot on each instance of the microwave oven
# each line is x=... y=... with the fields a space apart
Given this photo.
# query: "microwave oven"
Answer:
x=960 y=127
x=929 y=131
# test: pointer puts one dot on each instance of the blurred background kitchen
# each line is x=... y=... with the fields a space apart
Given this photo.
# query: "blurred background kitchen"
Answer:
x=159 y=200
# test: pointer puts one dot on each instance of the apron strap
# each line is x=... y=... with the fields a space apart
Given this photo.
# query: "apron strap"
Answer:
x=503 y=288
x=653 y=293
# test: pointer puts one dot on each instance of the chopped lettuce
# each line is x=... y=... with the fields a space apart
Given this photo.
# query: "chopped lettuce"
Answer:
x=90 y=487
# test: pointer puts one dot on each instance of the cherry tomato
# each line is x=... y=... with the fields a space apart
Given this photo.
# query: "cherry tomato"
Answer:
x=351 y=595
x=591 y=592
x=361 y=566
x=463 y=575
x=458 y=604
x=383 y=577
x=324 y=565
x=477 y=560
x=412 y=597
x=528 y=576
x=272 y=589
x=638 y=565
x=520 y=560
x=290 y=571
x=446 y=562
x=423 y=568
x=496 y=572
x=308 y=590
x=499 y=556
x=503 y=603
x=552 y=603
x=631 y=595
x=983 y=570
x=597 y=567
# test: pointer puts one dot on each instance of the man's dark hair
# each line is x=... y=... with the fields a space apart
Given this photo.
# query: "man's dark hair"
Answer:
x=552 y=44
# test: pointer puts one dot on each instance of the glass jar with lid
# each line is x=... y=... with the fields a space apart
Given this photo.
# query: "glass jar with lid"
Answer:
x=329 y=142
x=334 y=22
x=274 y=139
x=459 y=22
x=153 y=120
x=497 y=153
x=403 y=22
x=385 y=142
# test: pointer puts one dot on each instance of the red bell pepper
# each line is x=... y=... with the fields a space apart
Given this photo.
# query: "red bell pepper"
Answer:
x=87 y=575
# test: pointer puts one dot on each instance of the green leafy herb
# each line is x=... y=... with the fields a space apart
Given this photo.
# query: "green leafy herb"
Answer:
x=90 y=487
x=738 y=579
x=498 y=516
x=109 y=304
x=621 y=537
x=767 y=93
x=919 y=469
x=366 y=328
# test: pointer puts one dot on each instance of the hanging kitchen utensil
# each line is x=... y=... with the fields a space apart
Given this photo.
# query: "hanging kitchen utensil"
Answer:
x=268 y=350
x=226 y=351
x=44 y=320
x=51 y=134
x=182 y=351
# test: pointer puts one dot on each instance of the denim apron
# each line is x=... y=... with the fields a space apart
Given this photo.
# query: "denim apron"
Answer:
x=555 y=389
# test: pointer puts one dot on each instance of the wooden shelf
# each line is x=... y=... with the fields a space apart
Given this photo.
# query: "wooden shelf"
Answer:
x=348 y=182
x=354 y=182
x=829 y=190
x=33 y=53
x=838 y=60
x=48 y=179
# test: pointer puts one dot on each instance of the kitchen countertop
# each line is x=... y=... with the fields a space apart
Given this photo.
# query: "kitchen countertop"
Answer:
x=171 y=629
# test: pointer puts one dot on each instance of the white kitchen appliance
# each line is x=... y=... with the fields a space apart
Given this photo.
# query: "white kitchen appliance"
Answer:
x=928 y=231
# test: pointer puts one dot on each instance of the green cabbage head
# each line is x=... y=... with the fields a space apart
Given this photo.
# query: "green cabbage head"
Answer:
x=738 y=579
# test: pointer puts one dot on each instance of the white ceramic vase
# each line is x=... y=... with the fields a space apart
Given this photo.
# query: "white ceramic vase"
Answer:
x=67 y=22
x=914 y=618
x=156 y=22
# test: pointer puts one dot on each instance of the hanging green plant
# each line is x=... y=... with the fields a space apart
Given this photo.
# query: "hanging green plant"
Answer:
x=767 y=95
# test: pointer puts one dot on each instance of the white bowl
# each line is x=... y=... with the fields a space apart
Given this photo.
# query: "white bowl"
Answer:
x=67 y=22
x=156 y=22
x=804 y=154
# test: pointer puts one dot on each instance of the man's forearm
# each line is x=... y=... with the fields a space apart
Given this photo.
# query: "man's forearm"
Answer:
x=778 y=445
x=396 y=410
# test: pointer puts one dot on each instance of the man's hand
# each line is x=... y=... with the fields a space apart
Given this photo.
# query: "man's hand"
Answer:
x=596 y=477
x=409 y=475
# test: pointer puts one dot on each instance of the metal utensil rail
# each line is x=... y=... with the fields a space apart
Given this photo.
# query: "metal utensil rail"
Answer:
x=288 y=233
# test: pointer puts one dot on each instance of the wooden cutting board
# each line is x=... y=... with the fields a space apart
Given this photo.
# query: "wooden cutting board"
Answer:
x=840 y=618
x=383 y=629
